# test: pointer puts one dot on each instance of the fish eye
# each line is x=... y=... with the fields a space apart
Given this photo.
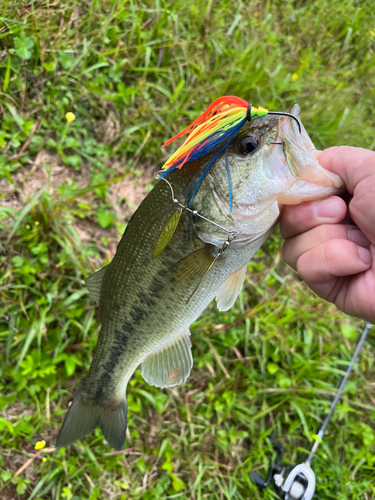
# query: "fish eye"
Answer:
x=248 y=145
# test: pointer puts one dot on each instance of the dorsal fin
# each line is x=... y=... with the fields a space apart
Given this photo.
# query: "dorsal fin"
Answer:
x=94 y=283
x=228 y=292
x=171 y=365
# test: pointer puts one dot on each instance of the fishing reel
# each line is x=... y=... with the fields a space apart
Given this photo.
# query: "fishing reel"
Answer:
x=290 y=482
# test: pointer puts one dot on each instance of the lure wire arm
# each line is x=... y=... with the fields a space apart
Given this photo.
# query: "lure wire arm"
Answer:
x=232 y=234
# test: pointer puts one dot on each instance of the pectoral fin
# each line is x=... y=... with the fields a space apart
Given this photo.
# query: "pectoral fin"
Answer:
x=194 y=266
x=228 y=292
x=171 y=365
x=94 y=283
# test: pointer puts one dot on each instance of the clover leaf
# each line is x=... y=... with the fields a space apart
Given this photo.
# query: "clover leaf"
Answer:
x=23 y=45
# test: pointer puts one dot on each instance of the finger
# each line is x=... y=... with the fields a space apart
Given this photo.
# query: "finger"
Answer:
x=293 y=248
x=353 y=165
x=356 y=166
x=362 y=207
x=332 y=259
x=297 y=219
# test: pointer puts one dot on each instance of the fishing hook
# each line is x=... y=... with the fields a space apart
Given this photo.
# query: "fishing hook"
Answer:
x=287 y=114
x=281 y=113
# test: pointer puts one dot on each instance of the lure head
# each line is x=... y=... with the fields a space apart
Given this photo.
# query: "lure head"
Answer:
x=264 y=176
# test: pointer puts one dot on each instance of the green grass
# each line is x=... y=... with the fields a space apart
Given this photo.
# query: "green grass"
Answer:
x=134 y=73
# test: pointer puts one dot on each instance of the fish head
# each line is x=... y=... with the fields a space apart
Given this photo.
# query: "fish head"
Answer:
x=272 y=162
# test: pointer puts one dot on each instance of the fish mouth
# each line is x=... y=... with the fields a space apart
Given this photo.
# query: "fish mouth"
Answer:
x=309 y=179
x=294 y=133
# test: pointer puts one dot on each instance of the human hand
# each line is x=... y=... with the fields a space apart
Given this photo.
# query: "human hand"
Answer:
x=337 y=261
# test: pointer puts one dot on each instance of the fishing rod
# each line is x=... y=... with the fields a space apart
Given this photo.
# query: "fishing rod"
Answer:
x=298 y=482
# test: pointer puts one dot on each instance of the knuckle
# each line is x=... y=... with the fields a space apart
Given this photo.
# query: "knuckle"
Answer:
x=333 y=250
x=305 y=211
x=356 y=208
x=288 y=218
x=363 y=200
x=328 y=232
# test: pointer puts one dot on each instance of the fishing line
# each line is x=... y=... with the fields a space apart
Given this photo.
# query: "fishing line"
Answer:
x=340 y=390
x=298 y=482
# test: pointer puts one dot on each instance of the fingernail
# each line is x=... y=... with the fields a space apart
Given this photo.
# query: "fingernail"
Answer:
x=357 y=237
x=364 y=255
x=328 y=209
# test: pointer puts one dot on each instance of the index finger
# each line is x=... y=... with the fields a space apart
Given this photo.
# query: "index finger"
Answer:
x=353 y=165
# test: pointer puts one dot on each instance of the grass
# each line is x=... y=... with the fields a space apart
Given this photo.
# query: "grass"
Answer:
x=134 y=73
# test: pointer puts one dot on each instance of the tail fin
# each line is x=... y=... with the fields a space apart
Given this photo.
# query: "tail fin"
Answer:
x=84 y=416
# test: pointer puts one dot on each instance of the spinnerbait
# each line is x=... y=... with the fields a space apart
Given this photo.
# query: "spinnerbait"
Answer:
x=217 y=126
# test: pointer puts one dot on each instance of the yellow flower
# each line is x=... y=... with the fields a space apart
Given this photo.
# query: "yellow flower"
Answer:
x=70 y=117
x=294 y=77
x=44 y=459
x=372 y=33
x=40 y=445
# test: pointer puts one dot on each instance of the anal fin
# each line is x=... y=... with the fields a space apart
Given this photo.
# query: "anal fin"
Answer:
x=171 y=365
x=229 y=291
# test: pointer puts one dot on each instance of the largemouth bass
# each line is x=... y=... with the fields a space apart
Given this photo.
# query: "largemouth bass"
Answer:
x=171 y=263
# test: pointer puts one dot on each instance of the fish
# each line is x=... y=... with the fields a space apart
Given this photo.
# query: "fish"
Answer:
x=176 y=256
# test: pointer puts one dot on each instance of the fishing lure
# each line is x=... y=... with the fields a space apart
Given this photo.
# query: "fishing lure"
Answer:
x=217 y=126
x=214 y=128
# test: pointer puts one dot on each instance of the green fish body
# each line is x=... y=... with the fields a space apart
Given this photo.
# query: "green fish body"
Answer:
x=168 y=266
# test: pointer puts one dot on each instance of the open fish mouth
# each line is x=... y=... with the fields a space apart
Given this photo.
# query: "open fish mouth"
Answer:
x=301 y=157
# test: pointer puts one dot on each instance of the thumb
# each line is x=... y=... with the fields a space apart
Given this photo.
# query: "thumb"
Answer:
x=353 y=165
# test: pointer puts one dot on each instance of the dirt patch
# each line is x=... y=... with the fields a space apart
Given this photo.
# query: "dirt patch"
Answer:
x=9 y=492
x=45 y=172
